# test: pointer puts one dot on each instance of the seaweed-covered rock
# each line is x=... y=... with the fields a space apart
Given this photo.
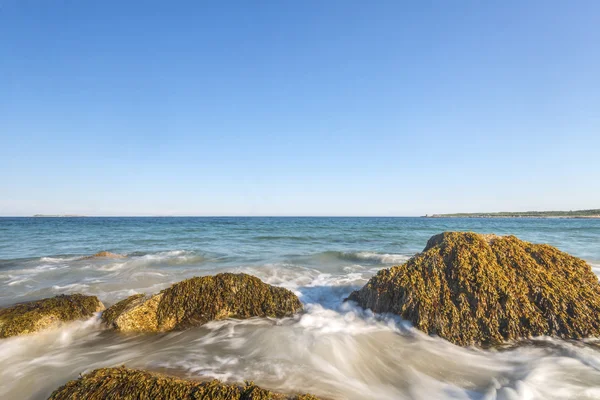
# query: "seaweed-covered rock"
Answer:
x=125 y=383
x=35 y=316
x=484 y=289
x=103 y=254
x=196 y=301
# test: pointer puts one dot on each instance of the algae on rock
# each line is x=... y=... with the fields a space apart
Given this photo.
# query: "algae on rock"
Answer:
x=484 y=289
x=35 y=316
x=125 y=383
x=112 y=312
x=199 y=300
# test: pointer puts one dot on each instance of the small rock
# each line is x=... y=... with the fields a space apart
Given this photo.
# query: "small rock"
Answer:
x=103 y=254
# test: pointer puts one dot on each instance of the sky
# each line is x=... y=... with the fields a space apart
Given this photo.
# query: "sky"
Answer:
x=391 y=108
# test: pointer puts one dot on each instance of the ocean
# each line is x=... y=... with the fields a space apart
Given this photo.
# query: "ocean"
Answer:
x=334 y=350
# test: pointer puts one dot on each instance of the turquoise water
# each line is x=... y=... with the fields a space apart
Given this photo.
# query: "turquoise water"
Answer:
x=278 y=237
x=333 y=350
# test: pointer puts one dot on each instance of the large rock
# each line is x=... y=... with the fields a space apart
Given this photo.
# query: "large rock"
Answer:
x=196 y=301
x=485 y=289
x=37 y=315
x=125 y=383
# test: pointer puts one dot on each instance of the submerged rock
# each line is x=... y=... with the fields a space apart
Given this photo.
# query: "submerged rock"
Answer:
x=197 y=301
x=35 y=316
x=484 y=289
x=103 y=254
x=125 y=383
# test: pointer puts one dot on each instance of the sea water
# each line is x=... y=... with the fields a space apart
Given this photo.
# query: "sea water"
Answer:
x=334 y=350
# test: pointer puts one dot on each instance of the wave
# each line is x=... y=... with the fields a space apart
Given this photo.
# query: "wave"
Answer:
x=12 y=281
x=71 y=288
x=313 y=287
x=175 y=257
x=58 y=259
x=137 y=259
x=363 y=256
x=170 y=256
x=294 y=238
x=18 y=263
x=595 y=265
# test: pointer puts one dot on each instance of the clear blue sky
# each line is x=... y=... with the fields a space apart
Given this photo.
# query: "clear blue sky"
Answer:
x=298 y=107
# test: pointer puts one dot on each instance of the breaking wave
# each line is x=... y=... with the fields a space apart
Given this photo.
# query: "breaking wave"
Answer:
x=363 y=257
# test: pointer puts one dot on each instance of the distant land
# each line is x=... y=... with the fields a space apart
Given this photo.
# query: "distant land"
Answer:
x=525 y=214
x=58 y=216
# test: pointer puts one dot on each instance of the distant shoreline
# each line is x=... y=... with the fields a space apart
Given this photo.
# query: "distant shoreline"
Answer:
x=511 y=216
x=586 y=214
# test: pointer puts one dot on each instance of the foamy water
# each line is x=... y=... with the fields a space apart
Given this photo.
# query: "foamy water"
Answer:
x=333 y=349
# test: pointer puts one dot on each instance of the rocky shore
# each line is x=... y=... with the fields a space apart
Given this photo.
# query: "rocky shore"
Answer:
x=467 y=288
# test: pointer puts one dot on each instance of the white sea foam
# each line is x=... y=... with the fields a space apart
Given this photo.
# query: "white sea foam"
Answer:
x=595 y=267
x=360 y=257
x=12 y=281
x=173 y=257
x=343 y=353
x=383 y=258
x=57 y=259
x=73 y=287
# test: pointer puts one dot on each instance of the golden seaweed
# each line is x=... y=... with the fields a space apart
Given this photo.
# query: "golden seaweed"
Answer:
x=34 y=316
x=470 y=288
x=199 y=300
x=129 y=384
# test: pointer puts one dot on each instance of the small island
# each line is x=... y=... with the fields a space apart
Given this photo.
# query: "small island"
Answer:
x=595 y=213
